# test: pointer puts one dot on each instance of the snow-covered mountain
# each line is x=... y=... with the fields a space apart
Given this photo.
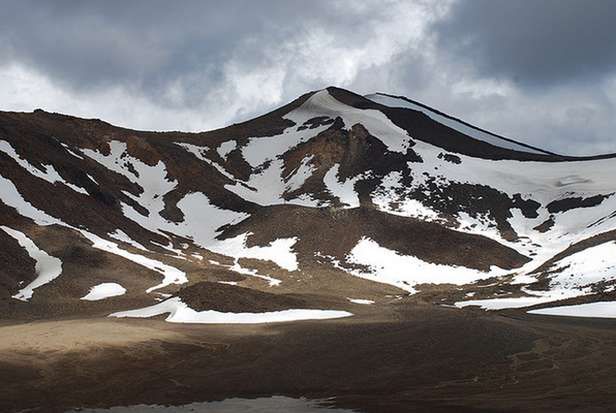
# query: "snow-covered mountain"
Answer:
x=329 y=203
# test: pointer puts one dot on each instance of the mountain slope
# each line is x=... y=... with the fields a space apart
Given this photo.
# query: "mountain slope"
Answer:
x=333 y=196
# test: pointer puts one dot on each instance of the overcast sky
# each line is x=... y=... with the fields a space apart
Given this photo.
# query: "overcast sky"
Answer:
x=540 y=71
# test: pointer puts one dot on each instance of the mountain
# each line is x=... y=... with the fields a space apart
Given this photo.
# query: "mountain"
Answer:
x=314 y=210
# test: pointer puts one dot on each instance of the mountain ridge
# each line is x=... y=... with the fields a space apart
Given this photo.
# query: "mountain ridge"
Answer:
x=297 y=102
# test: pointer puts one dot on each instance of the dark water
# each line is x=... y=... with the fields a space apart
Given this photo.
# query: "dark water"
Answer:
x=235 y=405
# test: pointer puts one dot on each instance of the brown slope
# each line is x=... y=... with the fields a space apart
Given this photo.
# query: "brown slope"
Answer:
x=336 y=231
x=205 y=296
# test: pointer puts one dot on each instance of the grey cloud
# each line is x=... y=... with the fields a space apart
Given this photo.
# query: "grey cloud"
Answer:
x=142 y=45
x=534 y=43
x=148 y=44
x=156 y=64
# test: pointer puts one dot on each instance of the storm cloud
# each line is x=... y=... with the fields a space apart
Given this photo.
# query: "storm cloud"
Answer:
x=542 y=72
x=538 y=43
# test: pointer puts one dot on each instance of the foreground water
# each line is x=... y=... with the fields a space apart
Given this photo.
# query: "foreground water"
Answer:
x=235 y=405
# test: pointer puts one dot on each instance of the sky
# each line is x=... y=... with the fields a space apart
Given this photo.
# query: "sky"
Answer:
x=539 y=71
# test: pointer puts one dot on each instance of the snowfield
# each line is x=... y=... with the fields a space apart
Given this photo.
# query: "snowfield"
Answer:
x=376 y=123
x=592 y=265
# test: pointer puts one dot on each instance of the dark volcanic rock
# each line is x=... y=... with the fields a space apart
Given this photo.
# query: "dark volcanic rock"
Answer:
x=566 y=204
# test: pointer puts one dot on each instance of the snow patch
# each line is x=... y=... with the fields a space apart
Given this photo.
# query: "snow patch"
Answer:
x=345 y=191
x=225 y=148
x=599 y=309
x=50 y=174
x=120 y=235
x=11 y=197
x=362 y=301
x=523 y=279
x=536 y=297
x=152 y=180
x=199 y=152
x=47 y=267
x=403 y=271
x=70 y=151
x=387 y=193
x=278 y=251
x=297 y=177
x=268 y=186
x=104 y=290
x=179 y=312
x=171 y=275
x=272 y=282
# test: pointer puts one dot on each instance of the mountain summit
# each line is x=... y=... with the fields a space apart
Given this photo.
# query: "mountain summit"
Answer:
x=326 y=204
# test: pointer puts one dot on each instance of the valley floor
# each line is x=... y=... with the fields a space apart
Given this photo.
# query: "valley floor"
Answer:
x=391 y=358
